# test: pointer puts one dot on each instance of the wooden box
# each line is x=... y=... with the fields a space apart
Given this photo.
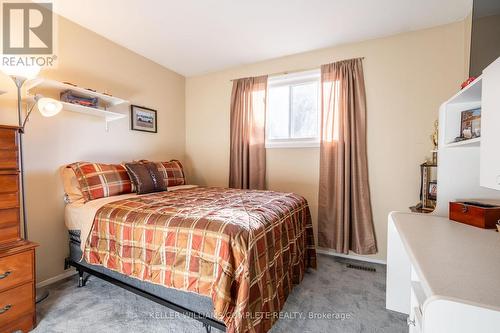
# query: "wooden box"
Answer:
x=474 y=213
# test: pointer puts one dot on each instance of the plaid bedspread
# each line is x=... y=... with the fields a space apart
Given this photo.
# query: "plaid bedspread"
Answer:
x=245 y=249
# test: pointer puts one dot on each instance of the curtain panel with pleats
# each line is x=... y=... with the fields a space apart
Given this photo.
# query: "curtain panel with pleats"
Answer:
x=344 y=209
x=247 y=166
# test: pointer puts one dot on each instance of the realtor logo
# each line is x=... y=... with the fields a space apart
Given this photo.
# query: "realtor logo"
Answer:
x=27 y=28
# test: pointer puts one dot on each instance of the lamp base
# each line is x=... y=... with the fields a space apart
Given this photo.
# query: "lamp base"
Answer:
x=41 y=295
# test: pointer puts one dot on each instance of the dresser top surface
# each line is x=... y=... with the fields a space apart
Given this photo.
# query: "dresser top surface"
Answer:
x=8 y=249
x=452 y=259
x=9 y=127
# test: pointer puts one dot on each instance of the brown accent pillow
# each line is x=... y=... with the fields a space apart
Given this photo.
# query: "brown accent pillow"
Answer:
x=146 y=177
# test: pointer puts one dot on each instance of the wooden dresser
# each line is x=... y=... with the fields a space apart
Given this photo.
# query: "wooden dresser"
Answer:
x=17 y=256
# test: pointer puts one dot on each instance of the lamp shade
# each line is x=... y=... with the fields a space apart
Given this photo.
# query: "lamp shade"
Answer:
x=49 y=107
x=25 y=72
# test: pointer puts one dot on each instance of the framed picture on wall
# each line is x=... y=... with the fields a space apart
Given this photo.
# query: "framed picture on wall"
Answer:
x=143 y=119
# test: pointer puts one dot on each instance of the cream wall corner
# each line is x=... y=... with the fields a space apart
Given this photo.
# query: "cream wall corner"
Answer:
x=407 y=77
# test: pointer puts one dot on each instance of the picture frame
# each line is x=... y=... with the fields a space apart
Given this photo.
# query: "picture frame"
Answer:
x=470 y=123
x=432 y=191
x=143 y=119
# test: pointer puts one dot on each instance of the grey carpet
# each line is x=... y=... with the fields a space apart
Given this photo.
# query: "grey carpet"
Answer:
x=342 y=299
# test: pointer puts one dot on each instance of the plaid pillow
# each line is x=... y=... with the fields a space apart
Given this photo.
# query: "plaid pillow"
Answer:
x=102 y=180
x=172 y=172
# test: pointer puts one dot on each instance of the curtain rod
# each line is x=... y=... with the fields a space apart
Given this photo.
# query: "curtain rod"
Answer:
x=296 y=70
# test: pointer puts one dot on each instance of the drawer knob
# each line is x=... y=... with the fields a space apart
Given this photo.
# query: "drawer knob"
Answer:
x=4 y=275
x=5 y=309
x=465 y=209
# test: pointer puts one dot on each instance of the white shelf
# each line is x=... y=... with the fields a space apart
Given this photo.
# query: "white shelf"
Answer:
x=52 y=84
x=104 y=100
x=471 y=93
x=450 y=118
x=470 y=142
x=107 y=115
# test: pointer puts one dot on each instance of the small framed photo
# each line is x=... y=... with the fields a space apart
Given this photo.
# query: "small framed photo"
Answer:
x=471 y=124
x=432 y=194
x=143 y=119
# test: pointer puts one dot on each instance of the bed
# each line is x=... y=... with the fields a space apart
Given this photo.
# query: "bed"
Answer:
x=227 y=257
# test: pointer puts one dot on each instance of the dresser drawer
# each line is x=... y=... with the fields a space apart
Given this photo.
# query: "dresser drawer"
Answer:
x=9 y=183
x=8 y=159
x=16 y=269
x=8 y=139
x=9 y=225
x=23 y=324
x=16 y=303
x=9 y=200
x=9 y=187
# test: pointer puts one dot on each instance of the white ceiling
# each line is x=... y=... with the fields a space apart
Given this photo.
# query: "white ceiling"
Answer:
x=193 y=37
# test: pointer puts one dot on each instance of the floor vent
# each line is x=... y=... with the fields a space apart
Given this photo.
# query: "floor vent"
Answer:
x=362 y=268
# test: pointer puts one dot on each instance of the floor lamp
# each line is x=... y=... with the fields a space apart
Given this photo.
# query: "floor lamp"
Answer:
x=48 y=107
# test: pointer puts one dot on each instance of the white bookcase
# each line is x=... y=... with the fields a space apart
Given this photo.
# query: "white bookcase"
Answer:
x=467 y=99
x=459 y=162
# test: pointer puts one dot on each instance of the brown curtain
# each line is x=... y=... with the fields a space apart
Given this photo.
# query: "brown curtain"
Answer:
x=344 y=209
x=247 y=166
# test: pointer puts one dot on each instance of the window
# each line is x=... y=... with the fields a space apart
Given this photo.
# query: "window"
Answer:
x=293 y=110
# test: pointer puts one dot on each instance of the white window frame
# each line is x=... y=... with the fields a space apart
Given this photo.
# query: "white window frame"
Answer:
x=295 y=79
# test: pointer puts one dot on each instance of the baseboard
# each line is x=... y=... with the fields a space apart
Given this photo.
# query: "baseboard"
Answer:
x=62 y=276
x=351 y=256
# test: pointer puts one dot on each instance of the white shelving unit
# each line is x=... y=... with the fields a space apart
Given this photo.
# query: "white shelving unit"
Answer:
x=107 y=101
x=459 y=167
x=467 y=99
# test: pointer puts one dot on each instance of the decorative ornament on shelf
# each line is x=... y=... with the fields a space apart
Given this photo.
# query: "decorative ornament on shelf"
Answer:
x=467 y=82
x=434 y=138
x=435 y=135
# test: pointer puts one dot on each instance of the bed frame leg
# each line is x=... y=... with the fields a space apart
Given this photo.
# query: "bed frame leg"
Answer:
x=208 y=328
x=80 y=278
x=82 y=281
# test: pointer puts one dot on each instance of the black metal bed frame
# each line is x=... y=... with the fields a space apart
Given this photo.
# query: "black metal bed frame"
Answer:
x=207 y=322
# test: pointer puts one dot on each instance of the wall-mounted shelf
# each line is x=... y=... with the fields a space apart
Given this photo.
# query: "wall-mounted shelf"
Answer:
x=60 y=86
x=475 y=142
x=105 y=101
x=107 y=115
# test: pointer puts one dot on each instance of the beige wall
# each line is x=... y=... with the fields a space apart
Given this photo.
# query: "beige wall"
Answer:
x=407 y=77
x=91 y=61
